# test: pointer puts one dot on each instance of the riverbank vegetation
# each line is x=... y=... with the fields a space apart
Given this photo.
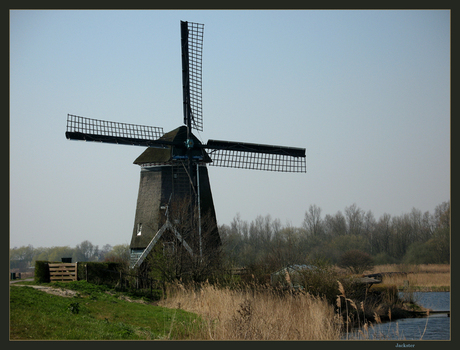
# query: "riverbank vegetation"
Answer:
x=330 y=306
x=205 y=312
x=241 y=301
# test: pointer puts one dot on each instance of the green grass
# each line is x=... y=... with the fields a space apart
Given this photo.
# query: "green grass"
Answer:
x=92 y=315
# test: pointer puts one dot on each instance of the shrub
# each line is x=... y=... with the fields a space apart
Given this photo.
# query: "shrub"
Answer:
x=321 y=282
x=42 y=272
x=421 y=253
x=356 y=261
x=99 y=272
x=384 y=258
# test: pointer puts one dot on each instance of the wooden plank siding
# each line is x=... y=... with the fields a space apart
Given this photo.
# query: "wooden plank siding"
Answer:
x=65 y=272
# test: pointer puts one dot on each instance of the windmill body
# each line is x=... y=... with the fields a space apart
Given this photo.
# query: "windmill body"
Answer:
x=163 y=180
x=174 y=165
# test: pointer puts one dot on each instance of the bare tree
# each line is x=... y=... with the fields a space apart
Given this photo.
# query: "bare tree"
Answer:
x=118 y=253
x=442 y=232
x=369 y=228
x=106 y=249
x=86 y=251
x=335 y=225
x=286 y=249
x=442 y=214
x=185 y=251
x=312 y=222
x=241 y=227
x=355 y=219
x=382 y=235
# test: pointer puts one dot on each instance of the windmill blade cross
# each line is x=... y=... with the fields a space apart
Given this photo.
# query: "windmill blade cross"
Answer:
x=164 y=172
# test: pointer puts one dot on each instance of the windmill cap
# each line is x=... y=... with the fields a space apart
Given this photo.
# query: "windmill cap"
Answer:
x=173 y=153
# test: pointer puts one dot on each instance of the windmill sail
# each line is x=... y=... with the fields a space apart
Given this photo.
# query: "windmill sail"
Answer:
x=192 y=50
x=256 y=156
x=86 y=129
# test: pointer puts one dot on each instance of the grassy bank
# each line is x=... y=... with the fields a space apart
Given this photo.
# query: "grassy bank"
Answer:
x=207 y=312
x=93 y=314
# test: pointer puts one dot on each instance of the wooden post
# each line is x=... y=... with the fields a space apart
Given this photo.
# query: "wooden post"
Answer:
x=406 y=284
x=86 y=272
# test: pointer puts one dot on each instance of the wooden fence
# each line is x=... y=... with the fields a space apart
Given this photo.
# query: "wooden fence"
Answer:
x=238 y=271
x=63 y=272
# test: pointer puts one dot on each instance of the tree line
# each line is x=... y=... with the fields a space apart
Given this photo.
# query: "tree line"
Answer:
x=415 y=238
x=26 y=256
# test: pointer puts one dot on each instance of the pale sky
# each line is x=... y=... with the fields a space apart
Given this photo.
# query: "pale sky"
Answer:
x=367 y=93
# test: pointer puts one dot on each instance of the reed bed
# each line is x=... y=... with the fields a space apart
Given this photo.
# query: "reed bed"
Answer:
x=255 y=313
x=422 y=281
x=422 y=268
x=423 y=277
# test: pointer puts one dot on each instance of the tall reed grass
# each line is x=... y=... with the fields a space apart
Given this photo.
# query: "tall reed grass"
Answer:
x=422 y=268
x=422 y=277
x=254 y=313
x=421 y=281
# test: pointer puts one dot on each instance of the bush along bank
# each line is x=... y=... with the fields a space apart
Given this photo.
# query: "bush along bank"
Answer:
x=358 y=306
x=355 y=302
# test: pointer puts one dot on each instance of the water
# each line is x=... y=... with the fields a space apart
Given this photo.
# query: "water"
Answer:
x=433 y=327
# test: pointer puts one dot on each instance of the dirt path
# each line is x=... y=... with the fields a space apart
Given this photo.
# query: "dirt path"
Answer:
x=67 y=292
x=56 y=291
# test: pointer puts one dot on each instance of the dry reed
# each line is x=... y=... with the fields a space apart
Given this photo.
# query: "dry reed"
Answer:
x=422 y=268
x=421 y=280
x=424 y=277
x=255 y=314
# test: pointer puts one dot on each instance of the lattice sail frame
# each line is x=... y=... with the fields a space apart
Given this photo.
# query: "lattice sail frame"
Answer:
x=258 y=161
x=82 y=128
x=195 y=56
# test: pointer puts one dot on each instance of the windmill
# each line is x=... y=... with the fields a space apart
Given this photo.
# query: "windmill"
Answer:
x=174 y=164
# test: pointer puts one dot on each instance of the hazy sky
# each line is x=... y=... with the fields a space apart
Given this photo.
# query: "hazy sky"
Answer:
x=367 y=93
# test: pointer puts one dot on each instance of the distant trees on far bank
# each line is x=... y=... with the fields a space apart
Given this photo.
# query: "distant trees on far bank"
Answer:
x=414 y=237
x=25 y=256
x=267 y=245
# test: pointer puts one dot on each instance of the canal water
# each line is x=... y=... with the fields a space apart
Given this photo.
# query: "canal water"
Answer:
x=433 y=327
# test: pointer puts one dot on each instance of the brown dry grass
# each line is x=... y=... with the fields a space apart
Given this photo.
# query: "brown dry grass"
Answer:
x=255 y=314
x=425 y=268
x=425 y=277
x=420 y=280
